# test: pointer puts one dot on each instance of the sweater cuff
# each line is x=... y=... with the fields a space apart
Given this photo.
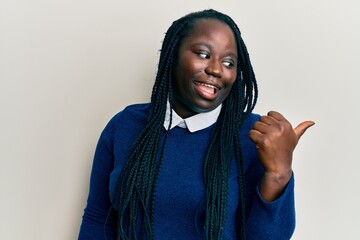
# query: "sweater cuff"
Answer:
x=273 y=220
x=288 y=190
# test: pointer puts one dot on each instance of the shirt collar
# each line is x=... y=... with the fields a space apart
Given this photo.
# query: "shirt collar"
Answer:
x=194 y=123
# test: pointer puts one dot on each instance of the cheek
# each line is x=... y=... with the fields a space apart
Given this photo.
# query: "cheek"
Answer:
x=189 y=65
x=231 y=83
x=185 y=72
x=231 y=78
x=181 y=81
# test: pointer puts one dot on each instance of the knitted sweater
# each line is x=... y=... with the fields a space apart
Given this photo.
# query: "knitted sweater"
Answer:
x=180 y=192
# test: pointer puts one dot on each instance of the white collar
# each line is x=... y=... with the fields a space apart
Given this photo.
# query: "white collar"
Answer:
x=194 y=123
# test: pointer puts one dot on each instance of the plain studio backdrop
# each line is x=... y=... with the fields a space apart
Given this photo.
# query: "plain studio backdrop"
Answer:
x=67 y=66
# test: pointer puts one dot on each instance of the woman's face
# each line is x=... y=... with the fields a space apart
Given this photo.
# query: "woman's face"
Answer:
x=205 y=69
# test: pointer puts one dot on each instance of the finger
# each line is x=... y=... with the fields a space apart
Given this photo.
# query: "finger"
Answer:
x=272 y=118
x=268 y=120
x=278 y=116
x=255 y=136
x=302 y=127
x=261 y=127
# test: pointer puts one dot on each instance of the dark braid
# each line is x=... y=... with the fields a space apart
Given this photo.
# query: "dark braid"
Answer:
x=136 y=187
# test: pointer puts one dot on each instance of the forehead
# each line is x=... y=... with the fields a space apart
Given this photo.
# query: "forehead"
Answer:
x=211 y=30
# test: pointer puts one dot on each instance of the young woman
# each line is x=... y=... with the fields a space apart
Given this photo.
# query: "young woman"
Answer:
x=195 y=163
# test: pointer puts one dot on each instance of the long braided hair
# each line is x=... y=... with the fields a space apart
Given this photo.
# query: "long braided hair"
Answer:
x=135 y=190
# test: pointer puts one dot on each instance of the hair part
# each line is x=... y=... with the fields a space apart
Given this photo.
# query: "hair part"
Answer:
x=135 y=190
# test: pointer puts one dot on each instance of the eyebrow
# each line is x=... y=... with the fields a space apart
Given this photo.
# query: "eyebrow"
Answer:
x=211 y=47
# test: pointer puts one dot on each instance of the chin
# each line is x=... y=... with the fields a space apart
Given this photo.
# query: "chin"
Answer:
x=204 y=108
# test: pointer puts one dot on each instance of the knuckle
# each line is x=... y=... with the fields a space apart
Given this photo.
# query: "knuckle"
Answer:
x=266 y=142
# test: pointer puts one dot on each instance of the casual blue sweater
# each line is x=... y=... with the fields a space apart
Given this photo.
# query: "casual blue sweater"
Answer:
x=180 y=192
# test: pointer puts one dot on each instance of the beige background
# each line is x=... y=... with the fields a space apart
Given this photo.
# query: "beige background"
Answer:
x=67 y=66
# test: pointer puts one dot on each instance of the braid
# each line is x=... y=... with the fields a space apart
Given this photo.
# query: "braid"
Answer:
x=135 y=190
x=225 y=141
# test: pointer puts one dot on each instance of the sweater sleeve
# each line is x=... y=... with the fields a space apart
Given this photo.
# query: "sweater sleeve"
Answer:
x=265 y=220
x=272 y=220
x=99 y=220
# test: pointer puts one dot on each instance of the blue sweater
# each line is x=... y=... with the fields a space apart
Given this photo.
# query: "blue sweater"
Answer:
x=179 y=203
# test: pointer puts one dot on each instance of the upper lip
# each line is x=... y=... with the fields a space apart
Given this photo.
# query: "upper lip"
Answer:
x=210 y=84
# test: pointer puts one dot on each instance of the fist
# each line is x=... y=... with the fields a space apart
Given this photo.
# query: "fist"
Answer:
x=276 y=140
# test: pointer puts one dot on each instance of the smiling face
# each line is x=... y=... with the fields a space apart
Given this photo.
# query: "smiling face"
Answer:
x=205 y=68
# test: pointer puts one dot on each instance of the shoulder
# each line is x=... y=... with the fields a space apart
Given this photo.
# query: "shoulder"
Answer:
x=131 y=118
x=131 y=114
x=249 y=122
x=252 y=165
x=140 y=110
x=249 y=148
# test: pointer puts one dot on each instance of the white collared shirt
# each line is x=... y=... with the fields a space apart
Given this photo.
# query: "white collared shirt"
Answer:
x=194 y=123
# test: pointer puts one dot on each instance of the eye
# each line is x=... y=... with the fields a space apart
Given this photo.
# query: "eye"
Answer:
x=228 y=63
x=203 y=55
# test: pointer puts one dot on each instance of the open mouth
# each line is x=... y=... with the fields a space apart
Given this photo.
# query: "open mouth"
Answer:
x=211 y=89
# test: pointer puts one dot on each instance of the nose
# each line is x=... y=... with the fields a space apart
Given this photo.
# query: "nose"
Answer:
x=214 y=68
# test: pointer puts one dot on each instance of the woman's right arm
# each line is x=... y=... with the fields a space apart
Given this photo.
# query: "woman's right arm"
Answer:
x=99 y=219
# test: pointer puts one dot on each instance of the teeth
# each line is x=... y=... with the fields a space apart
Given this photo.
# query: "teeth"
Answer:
x=209 y=86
